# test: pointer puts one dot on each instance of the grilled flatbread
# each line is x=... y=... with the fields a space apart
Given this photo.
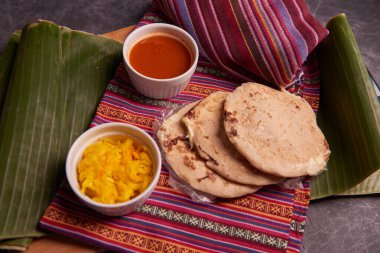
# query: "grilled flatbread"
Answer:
x=189 y=166
x=206 y=131
x=275 y=131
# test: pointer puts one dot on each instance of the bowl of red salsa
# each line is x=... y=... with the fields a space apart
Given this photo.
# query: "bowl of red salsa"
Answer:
x=160 y=59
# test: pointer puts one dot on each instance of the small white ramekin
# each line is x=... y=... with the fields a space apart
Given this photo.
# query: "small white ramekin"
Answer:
x=153 y=87
x=92 y=136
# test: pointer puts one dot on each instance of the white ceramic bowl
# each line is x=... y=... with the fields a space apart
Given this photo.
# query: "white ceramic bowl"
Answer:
x=153 y=87
x=92 y=136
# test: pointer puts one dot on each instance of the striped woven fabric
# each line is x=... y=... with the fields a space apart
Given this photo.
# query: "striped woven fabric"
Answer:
x=262 y=40
x=270 y=220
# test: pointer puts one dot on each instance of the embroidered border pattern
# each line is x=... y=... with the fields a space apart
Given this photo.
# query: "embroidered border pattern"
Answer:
x=123 y=115
x=212 y=226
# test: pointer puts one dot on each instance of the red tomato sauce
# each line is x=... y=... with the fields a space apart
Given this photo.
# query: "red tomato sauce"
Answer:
x=160 y=56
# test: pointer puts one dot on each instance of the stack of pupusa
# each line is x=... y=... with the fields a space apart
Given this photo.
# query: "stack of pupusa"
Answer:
x=232 y=144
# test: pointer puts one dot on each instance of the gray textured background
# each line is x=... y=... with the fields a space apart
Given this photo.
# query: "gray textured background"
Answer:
x=338 y=224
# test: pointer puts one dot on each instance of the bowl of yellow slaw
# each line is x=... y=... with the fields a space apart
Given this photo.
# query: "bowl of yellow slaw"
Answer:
x=113 y=168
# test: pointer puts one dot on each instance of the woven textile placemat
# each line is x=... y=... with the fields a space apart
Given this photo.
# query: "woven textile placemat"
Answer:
x=272 y=219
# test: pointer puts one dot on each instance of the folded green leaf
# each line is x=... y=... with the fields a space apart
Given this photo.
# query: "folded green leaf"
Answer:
x=17 y=244
x=58 y=78
x=370 y=185
x=349 y=113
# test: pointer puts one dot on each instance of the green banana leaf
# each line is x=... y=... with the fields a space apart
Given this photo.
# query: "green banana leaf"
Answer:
x=6 y=63
x=58 y=78
x=349 y=113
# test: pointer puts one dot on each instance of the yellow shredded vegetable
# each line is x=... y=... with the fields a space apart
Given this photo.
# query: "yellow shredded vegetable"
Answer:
x=114 y=170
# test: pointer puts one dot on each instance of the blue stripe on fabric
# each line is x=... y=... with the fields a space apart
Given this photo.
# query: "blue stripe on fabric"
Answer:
x=299 y=40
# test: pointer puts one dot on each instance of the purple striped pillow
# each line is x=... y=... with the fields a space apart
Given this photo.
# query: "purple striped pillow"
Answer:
x=260 y=40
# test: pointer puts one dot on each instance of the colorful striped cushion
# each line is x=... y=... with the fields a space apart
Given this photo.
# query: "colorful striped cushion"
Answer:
x=262 y=40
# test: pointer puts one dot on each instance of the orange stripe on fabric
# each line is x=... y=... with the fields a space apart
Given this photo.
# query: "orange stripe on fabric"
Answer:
x=245 y=41
x=285 y=212
x=272 y=42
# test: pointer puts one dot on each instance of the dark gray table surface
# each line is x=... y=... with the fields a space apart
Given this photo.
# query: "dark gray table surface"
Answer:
x=336 y=224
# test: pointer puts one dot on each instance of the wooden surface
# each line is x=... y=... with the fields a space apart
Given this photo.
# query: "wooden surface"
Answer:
x=59 y=244
x=119 y=35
